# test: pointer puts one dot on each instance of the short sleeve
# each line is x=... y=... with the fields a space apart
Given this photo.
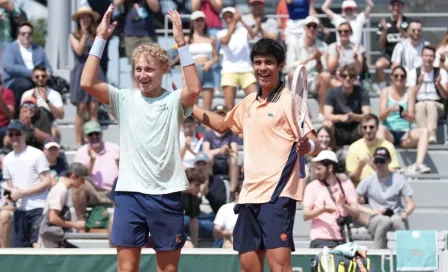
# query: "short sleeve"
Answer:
x=361 y=19
x=329 y=99
x=350 y=192
x=337 y=20
x=42 y=163
x=443 y=76
x=411 y=79
x=8 y=97
x=365 y=98
x=351 y=162
x=361 y=49
x=332 y=50
x=363 y=186
x=309 y=197
x=235 y=118
x=55 y=99
x=219 y=219
x=394 y=159
x=406 y=190
x=81 y=155
x=183 y=112
x=57 y=200
x=271 y=26
x=380 y=29
x=5 y=172
x=115 y=100
x=396 y=55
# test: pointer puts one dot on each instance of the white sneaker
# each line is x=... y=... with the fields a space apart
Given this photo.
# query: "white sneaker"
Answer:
x=411 y=170
x=432 y=140
x=423 y=169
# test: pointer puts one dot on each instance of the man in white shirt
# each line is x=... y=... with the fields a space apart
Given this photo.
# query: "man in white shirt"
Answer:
x=262 y=26
x=356 y=21
x=312 y=53
x=47 y=98
x=27 y=172
x=408 y=52
x=225 y=221
x=431 y=86
x=190 y=142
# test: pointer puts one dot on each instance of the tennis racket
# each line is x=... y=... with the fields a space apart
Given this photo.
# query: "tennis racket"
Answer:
x=299 y=95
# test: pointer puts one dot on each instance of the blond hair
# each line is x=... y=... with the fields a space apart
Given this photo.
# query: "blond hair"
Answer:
x=153 y=50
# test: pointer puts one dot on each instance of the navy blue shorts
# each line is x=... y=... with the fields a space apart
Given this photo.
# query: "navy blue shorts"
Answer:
x=136 y=215
x=398 y=136
x=25 y=229
x=265 y=226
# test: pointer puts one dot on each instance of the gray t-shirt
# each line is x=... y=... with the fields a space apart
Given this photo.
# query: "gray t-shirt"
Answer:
x=150 y=160
x=384 y=195
x=346 y=56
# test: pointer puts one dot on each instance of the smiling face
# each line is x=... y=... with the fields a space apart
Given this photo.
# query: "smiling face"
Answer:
x=148 y=72
x=345 y=32
x=267 y=71
x=228 y=17
x=324 y=139
x=199 y=24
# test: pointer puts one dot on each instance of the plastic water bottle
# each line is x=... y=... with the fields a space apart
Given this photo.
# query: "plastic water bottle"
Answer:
x=324 y=262
x=141 y=11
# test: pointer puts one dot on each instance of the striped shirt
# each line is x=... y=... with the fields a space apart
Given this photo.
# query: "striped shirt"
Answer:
x=23 y=169
x=408 y=55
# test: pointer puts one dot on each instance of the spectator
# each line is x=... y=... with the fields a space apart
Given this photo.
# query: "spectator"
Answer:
x=7 y=11
x=345 y=106
x=391 y=30
x=328 y=202
x=101 y=158
x=57 y=201
x=431 y=86
x=81 y=41
x=384 y=191
x=190 y=142
x=213 y=188
x=397 y=110
x=298 y=11
x=225 y=221
x=262 y=26
x=192 y=202
x=236 y=65
x=26 y=170
x=58 y=163
x=312 y=53
x=47 y=98
x=359 y=161
x=408 y=52
x=38 y=125
x=442 y=54
x=19 y=59
x=6 y=208
x=222 y=149
x=139 y=25
x=345 y=52
x=7 y=108
x=349 y=15
x=282 y=17
x=205 y=54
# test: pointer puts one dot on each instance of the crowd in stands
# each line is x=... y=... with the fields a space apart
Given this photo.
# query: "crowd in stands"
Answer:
x=362 y=186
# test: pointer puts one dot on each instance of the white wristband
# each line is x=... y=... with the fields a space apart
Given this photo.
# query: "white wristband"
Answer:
x=185 y=56
x=98 y=47
x=312 y=146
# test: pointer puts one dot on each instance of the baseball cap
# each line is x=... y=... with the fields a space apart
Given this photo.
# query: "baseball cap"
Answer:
x=16 y=124
x=220 y=109
x=29 y=99
x=253 y=1
x=196 y=15
x=80 y=170
x=393 y=1
x=348 y=4
x=51 y=142
x=326 y=155
x=311 y=19
x=202 y=157
x=381 y=153
x=228 y=9
x=91 y=126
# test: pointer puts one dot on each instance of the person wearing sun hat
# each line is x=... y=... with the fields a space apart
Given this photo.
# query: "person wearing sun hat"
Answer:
x=81 y=41
x=356 y=21
x=56 y=159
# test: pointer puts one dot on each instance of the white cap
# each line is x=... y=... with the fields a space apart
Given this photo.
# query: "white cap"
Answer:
x=348 y=4
x=196 y=15
x=326 y=155
x=311 y=19
x=228 y=9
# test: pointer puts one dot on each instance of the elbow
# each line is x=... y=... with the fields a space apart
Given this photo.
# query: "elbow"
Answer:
x=85 y=83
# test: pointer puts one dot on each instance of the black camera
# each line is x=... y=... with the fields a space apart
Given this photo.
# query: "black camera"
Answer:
x=389 y=212
x=7 y=193
x=346 y=231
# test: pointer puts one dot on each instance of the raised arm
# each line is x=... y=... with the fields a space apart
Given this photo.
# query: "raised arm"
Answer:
x=326 y=9
x=368 y=8
x=154 y=5
x=192 y=84
x=89 y=77
x=195 y=5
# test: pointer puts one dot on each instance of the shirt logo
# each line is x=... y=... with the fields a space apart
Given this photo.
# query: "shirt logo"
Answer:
x=162 y=107
x=271 y=114
x=283 y=236
x=178 y=238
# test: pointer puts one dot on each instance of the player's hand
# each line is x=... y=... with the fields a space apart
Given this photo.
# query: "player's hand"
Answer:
x=303 y=146
x=105 y=29
x=178 y=31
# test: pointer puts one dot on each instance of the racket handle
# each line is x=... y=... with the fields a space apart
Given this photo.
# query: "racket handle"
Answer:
x=302 y=173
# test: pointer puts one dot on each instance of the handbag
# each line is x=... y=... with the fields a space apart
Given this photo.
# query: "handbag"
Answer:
x=52 y=232
x=98 y=218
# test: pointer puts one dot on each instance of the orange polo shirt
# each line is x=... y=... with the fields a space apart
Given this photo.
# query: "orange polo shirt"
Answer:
x=269 y=134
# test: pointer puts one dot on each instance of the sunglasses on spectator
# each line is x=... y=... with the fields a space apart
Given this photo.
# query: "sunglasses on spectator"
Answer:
x=349 y=76
x=415 y=30
x=379 y=161
x=399 y=76
x=344 y=31
x=26 y=33
x=311 y=25
x=93 y=134
x=349 y=9
x=40 y=76
x=29 y=105
x=16 y=134
x=368 y=127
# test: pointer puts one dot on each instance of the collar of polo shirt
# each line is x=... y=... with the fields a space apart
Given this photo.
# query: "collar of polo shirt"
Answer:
x=275 y=94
